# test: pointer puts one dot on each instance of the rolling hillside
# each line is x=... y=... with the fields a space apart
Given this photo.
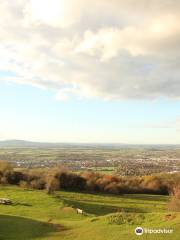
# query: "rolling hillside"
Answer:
x=36 y=215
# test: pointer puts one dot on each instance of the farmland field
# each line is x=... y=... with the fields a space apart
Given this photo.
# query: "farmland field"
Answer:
x=36 y=215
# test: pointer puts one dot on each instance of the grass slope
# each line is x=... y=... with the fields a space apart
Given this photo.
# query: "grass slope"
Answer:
x=36 y=215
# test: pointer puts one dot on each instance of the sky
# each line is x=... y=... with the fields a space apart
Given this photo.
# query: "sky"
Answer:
x=90 y=71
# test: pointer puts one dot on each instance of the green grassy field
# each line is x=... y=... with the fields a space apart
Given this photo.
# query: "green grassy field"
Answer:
x=36 y=215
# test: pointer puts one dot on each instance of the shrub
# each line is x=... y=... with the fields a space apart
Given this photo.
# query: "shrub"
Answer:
x=23 y=184
x=71 y=181
x=37 y=184
x=112 y=188
x=125 y=218
x=13 y=177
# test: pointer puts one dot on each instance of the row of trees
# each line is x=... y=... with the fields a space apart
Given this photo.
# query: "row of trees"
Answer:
x=59 y=178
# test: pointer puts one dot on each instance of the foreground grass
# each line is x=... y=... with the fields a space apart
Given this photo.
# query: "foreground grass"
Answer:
x=36 y=215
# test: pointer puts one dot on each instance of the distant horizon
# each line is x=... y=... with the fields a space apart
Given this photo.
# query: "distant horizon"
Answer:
x=98 y=143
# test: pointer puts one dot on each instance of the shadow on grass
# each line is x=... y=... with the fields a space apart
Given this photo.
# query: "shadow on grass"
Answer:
x=98 y=209
x=146 y=197
x=18 y=228
x=22 y=204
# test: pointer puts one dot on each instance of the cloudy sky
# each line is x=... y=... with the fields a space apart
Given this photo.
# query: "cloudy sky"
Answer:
x=90 y=71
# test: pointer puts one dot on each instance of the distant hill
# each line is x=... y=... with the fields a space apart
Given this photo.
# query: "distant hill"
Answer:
x=30 y=144
x=14 y=143
x=22 y=143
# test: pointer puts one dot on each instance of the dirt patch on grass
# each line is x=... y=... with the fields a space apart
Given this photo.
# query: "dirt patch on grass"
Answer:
x=169 y=217
x=68 y=209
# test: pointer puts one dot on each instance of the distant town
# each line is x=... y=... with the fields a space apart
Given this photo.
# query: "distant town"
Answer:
x=122 y=160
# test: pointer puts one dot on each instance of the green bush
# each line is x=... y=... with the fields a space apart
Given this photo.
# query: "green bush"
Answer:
x=125 y=218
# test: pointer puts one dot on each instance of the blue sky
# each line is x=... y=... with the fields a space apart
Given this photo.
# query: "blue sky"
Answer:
x=90 y=71
x=34 y=114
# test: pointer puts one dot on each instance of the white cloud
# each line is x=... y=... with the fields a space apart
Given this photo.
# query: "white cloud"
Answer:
x=144 y=40
x=53 y=12
x=107 y=49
